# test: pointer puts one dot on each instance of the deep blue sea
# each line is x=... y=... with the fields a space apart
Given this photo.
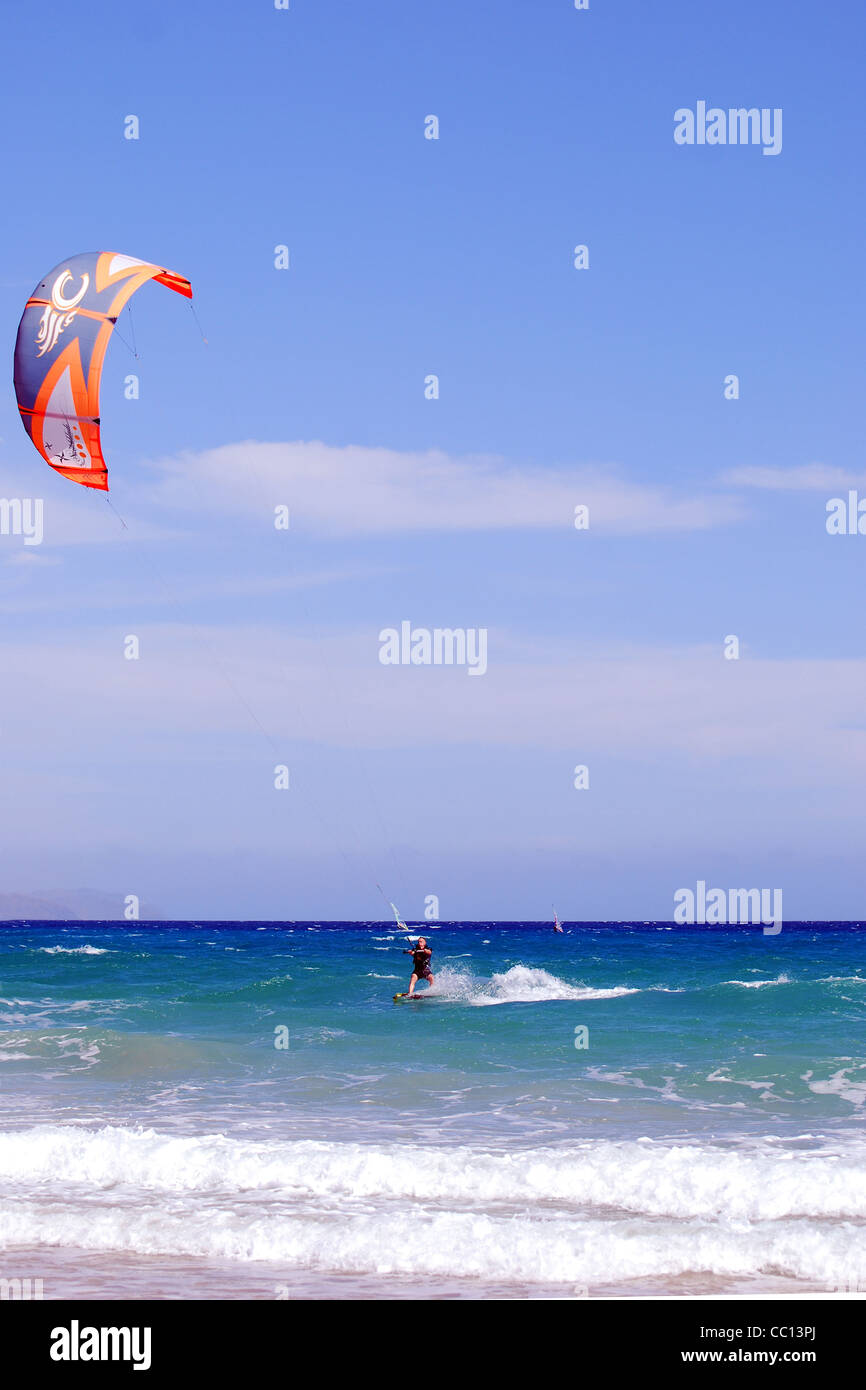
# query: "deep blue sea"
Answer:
x=240 y=1110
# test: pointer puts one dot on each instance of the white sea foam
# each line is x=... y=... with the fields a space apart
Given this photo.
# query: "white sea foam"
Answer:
x=524 y=984
x=719 y=1075
x=682 y=1181
x=73 y=950
x=535 y=1215
x=839 y=1084
x=758 y=984
x=514 y=1249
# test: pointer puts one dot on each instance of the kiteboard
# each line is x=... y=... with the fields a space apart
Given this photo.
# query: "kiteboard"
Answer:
x=398 y=998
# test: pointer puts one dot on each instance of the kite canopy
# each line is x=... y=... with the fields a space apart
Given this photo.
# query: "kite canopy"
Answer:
x=62 y=338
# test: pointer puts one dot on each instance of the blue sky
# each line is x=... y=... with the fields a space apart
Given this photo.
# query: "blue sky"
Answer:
x=453 y=257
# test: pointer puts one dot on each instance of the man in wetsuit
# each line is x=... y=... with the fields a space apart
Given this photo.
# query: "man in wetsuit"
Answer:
x=420 y=963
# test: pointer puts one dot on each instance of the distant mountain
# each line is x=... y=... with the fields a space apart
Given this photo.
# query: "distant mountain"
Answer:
x=69 y=905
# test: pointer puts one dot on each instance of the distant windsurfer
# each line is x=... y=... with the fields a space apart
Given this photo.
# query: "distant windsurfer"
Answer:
x=421 y=955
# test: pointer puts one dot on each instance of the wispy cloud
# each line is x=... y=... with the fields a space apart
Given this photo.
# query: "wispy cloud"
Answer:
x=357 y=491
x=28 y=559
x=807 y=477
x=162 y=591
x=797 y=716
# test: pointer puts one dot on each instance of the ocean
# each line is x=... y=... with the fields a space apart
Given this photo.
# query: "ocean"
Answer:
x=223 y=1110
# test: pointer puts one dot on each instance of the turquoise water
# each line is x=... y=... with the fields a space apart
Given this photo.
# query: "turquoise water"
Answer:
x=709 y=1134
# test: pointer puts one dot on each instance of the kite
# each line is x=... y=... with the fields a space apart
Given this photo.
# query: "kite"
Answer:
x=62 y=340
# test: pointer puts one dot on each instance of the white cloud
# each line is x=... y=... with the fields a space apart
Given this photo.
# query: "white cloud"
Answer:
x=161 y=589
x=28 y=559
x=355 y=490
x=803 y=718
x=807 y=477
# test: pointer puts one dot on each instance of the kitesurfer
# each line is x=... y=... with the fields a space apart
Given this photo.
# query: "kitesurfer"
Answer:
x=420 y=963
